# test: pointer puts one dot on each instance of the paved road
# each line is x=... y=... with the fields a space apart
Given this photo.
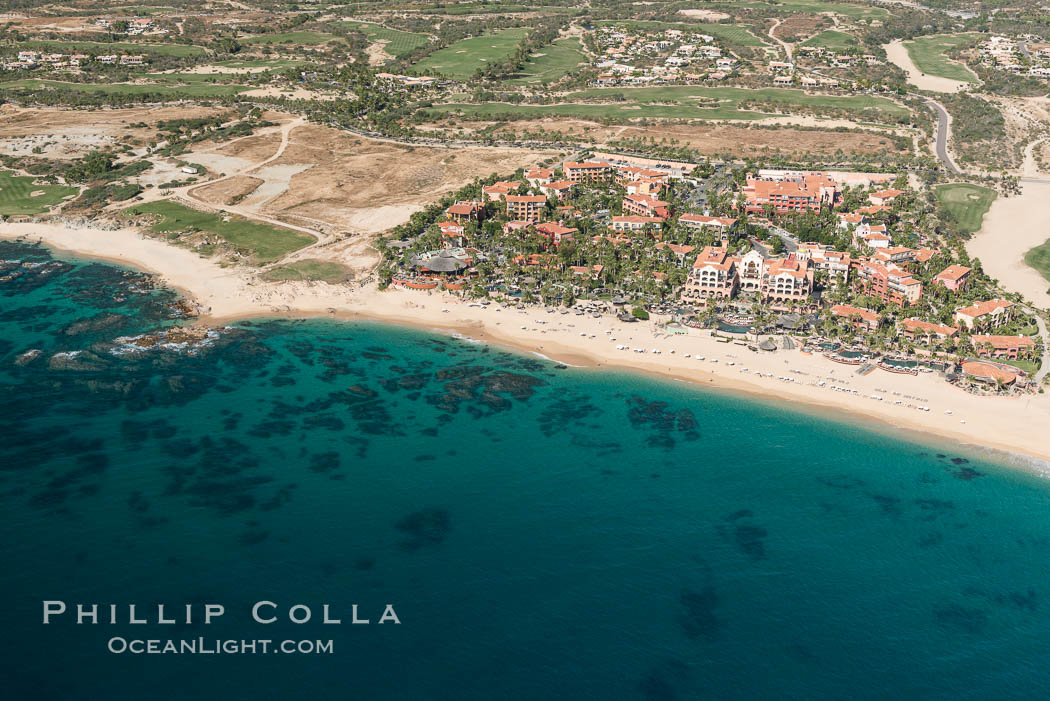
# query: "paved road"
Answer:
x=941 y=143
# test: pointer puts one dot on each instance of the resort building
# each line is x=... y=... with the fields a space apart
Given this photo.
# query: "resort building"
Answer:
x=465 y=210
x=864 y=319
x=791 y=193
x=1002 y=347
x=985 y=315
x=515 y=225
x=645 y=205
x=807 y=249
x=925 y=331
x=884 y=197
x=852 y=219
x=901 y=256
x=886 y=281
x=835 y=263
x=628 y=174
x=452 y=230
x=987 y=372
x=925 y=255
x=555 y=232
x=871 y=235
x=679 y=250
x=588 y=171
x=645 y=187
x=773 y=280
x=954 y=277
x=713 y=275
x=593 y=272
x=749 y=270
x=526 y=207
x=539 y=176
x=872 y=210
x=636 y=223
x=698 y=222
x=499 y=190
x=559 y=189
x=786 y=280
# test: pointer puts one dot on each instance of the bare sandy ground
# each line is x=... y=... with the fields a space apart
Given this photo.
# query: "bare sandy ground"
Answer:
x=377 y=54
x=1013 y=226
x=66 y=134
x=1015 y=425
x=716 y=138
x=222 y=70
x=898 y=55
x=349 y=182
x=710 y=15
x=296 y=94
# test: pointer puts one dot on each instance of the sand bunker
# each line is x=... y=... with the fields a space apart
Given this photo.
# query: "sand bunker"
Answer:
x=704 y=14
x=898 y=55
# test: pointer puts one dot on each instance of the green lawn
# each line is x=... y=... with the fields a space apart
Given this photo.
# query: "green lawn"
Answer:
x=736 y=95
x=808 y=6
x=463 y=58
x=623 y=111
x=264 y=242
x=968 y=203
x=275 y=63
x=677 y=102
x=303 y=38
x=398 y=43
x=96 y=47
x=929 y=56
x=494 y=8
x=142 y=10
x=1037 y=258
x=733 y=34
x=309 y=269
x=197 y=90
x=16 y=194
x=1029 y=366
x=832 y=40
x=551 y=62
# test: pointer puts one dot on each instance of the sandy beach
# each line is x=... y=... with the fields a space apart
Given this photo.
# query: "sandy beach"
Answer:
x=1010 y=424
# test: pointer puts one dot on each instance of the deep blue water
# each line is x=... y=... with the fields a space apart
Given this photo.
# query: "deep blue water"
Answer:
x=542 y=532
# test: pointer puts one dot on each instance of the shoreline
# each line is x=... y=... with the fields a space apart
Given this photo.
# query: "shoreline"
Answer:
x=1010 y=425
x=1002 y=453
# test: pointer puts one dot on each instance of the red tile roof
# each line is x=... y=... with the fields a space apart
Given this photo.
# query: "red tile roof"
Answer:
x=953 y=272
x=998 y=342
x=848 y=310
x=929 y=327
x=982 y=308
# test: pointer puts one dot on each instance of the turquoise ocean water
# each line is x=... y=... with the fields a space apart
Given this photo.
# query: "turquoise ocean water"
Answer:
x=543 y=532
